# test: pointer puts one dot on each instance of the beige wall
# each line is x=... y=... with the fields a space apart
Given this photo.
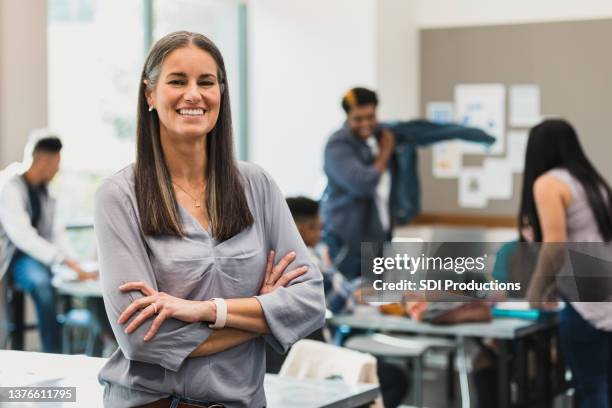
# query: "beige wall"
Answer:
x=397 y=68
x=564 y=58
x=453 y=13
x=23 y=74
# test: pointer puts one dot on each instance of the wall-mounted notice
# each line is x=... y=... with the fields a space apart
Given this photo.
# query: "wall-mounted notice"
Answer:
x=472 y=188
x=440 y=112
x=517 y=146
x=447 y=159
x=524 y=105
x=497 y=179
x=482 y=106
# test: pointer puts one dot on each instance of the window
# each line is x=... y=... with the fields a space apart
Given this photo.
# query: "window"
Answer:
x=95 y=54
x=223 y=22
x=96 y=49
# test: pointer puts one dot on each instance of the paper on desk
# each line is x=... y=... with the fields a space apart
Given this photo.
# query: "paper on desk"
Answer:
x=482 y=106
x=497 y=178
x=524 y=105
x=513 y=305
x=472 y=193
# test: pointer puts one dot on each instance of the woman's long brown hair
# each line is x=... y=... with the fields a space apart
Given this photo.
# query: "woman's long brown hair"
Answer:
x=226 y=203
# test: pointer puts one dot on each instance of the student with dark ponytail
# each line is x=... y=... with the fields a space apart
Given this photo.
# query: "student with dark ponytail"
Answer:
x=565 y=199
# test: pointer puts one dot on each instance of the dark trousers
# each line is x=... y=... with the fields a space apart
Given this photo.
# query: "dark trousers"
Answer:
x=588 y=353
x=31 y=276
x=346 y=260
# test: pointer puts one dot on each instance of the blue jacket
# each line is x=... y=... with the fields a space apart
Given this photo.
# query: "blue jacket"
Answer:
x=405 y=186
x=348 y=205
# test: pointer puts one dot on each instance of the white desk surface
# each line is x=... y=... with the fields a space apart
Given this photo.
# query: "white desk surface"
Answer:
x=65 y=283
x=367 y=317
x=19 y=369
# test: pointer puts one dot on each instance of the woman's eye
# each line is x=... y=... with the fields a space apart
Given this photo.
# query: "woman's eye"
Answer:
x=175 y=82
x=207 y=83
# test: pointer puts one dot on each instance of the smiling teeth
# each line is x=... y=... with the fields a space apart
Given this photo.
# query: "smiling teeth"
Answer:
x=193 y=112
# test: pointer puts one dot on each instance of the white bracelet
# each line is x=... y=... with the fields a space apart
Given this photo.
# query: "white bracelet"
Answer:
x=221 y=313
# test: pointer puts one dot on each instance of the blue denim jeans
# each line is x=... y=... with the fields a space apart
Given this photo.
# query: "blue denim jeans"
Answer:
x=588 y=353
x=33 y=277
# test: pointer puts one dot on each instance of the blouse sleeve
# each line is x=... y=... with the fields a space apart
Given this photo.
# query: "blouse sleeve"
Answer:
x=295 y=311
x=123 y=258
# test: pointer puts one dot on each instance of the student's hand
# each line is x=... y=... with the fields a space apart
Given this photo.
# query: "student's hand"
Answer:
x=84 y=275
x=549 y=306
x=161 y=306
x=387 y=141
x=81 y=274
x=274 y=274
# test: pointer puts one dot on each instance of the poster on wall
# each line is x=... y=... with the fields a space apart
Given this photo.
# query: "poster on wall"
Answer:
x=482 y=106
x=446 y=160
x=497 y=178
x=472 y=193
x=524 y=105
x=446 y=157
x=440 y=112
x=517 y=146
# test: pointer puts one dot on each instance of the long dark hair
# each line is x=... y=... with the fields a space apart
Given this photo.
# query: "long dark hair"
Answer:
x=552 y=144
x=226 y=203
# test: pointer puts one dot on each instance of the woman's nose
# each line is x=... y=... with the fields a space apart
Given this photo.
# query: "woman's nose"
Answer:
x=192 y=93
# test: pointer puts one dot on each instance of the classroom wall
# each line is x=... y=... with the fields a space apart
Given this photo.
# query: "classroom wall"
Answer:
x=563 y=58
x=448 y=13
x=302 y=57
x=397 y=59
x=23 y=74
x=441 y=14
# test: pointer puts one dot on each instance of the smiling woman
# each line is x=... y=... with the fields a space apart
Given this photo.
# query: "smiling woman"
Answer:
x=188 y=239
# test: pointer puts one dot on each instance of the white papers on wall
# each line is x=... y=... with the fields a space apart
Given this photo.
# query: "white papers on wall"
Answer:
x=447 y=159
x=471 y=188
x=482 y=106
x=497 y=179
x=524 y=105
x=440 y=112
x=517 y=146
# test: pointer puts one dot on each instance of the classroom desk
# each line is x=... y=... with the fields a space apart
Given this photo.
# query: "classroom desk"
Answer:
x=21 y=369
x=511 y=335
x=84 y=289
x=65 y=283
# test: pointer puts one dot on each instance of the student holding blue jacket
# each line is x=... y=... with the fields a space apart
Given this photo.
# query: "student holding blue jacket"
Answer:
x=372 y=176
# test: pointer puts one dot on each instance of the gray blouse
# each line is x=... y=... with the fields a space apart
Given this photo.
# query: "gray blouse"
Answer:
x=198 y=267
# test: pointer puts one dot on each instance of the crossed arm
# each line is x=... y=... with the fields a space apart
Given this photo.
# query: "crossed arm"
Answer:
x=245 y=318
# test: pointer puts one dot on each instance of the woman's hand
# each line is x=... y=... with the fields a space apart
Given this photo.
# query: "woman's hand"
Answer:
x=162 y=306
x=274 y=278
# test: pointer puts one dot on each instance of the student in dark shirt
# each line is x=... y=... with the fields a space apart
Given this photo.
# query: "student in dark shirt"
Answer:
x=339 y=293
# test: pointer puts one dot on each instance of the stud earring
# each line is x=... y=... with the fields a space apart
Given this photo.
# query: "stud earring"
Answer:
x=151 y=108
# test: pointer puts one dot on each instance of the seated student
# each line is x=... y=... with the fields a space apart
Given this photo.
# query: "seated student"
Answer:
x=339 y=293
x=31 y=240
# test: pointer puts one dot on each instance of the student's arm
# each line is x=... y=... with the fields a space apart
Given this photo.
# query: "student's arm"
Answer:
x=123 y=257
x=551 y=196
x=16 y=222
x=386 y=145
x=343 y=167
